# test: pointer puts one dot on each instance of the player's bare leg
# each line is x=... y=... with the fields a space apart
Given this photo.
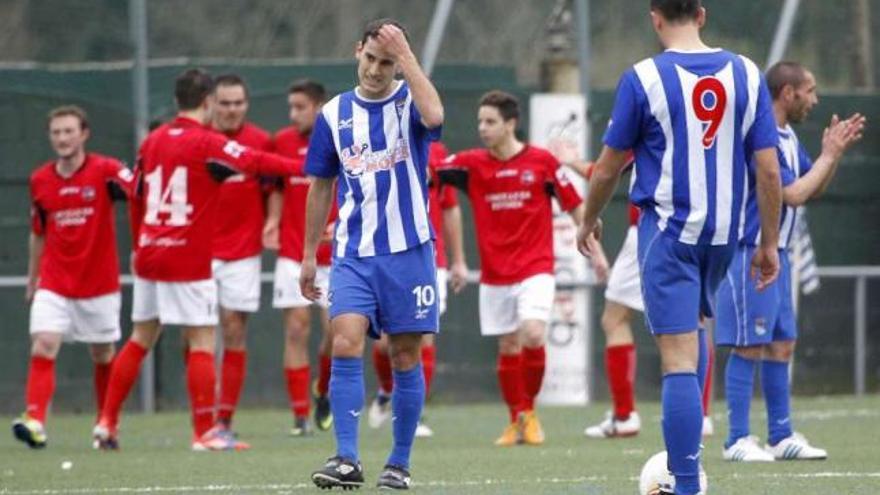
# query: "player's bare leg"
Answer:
x=297 y=323
x=123 y=376
x=233 y=324
x=29 y=427
x=620 y=371
x=346 y=401
x=533 y=334
x=682 y=408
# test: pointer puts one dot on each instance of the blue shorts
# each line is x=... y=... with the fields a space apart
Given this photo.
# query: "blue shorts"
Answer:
x=396 y=292
x=679 y=280
x=747 y=317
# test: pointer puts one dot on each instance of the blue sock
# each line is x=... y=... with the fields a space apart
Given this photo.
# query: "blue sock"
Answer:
x=774 y=382
x=682 y=429
x=346 y=403
x=739 y=380
x=407 y=400
x=703 y=361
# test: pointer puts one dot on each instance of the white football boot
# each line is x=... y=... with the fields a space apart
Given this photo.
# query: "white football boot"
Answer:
x=746 y=449
x=611 y=427
x=796 y=448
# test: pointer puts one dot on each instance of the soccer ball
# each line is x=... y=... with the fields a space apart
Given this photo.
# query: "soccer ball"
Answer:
x=655 y=475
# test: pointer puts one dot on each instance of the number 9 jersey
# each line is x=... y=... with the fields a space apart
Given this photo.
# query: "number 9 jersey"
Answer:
x=693 y=120
x=181 y=166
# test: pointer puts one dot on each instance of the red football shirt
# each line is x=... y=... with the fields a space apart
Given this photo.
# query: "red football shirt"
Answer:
x=75 y=216
x=289 y=142
x=634 y=213
x=180 y=167
x=239 y=229
x=441 y=197
x=512 y=209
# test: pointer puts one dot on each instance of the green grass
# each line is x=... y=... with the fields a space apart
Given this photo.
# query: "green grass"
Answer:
x=460 y=459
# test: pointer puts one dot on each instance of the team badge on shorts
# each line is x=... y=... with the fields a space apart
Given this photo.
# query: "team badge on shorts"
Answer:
x=760 y=326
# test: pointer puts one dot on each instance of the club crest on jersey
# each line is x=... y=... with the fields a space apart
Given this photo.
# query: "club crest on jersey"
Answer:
x=527 y=177
x=88 y=193
x=358 y=160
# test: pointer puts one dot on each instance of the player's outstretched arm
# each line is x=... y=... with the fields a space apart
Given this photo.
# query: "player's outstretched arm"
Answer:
x=765 y=263
x=606 y=175
x=838 y=137
x=317 y=208
x=35 y=252
x=424 y=94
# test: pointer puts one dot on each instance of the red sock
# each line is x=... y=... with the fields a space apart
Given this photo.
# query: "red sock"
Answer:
x=298 y=390
x=620 y=367
x=123 y=374
x=40 y=387
x=324 y=375
x=510 y=379
x=707 y=387
x=231 y=383
x=101 y=379
x=429 y=361
x=382 y=364
x=534 y=362
x=201 y=382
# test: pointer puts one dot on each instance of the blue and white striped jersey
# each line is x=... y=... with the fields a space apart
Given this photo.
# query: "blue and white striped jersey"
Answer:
x=379 y=151
x=693 y=119
x=794 y=163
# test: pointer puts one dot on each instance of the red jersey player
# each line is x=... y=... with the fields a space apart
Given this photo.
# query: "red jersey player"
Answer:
x=180 y=167
x=510 y=184
x=237 y=240
x=445 y=215
x=73 y=269
x=285 y=229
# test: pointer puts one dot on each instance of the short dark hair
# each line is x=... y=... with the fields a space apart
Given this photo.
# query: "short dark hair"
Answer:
x=232 y=80
x=783 y=74
x=69 y=110
x=677 y=10
x=506 y=103
x=191 y=88
x=371 y=30
x=313 y=89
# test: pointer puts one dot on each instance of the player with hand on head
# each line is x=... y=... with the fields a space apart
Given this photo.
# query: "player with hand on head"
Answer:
x=285 y=230
x=181 y=166
x=510 y=185
x=375 y=140
x=237 y=241
x=693 y=116
x=761 y=326
x=445 y=216
x=73 y=264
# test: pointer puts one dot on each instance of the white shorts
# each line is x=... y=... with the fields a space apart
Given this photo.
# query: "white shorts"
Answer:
x=192 y=304
x=94 y=320
x=238 y=283
x=442 y=290
x=624 y=282
x=286 y=291
x=503 y=308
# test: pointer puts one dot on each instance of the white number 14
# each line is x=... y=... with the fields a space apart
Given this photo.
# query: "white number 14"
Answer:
x=171 y=201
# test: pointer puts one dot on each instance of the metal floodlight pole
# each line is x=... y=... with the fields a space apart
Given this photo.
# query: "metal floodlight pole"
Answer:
x=435 y=34
x=137 y=16
x=783 y=31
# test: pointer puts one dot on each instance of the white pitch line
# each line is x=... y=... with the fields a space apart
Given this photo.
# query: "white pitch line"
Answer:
x=437 y=483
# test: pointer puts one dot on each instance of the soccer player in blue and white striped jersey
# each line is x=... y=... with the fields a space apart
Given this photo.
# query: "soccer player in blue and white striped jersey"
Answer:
x=693 y=116
x=373 y=142
x=761 y=325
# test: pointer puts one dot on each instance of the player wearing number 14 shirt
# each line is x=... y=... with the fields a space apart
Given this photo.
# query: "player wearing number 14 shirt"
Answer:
x=694 y=116
x=181 y=166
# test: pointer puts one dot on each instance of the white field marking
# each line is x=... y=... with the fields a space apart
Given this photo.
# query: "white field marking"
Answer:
x=437 y=483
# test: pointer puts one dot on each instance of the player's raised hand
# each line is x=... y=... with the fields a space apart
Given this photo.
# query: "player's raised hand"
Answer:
x=587 y=233
x=458 y=276
x=840 y=135
x=307 y=280
x=765 y=266
x=392 y=40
